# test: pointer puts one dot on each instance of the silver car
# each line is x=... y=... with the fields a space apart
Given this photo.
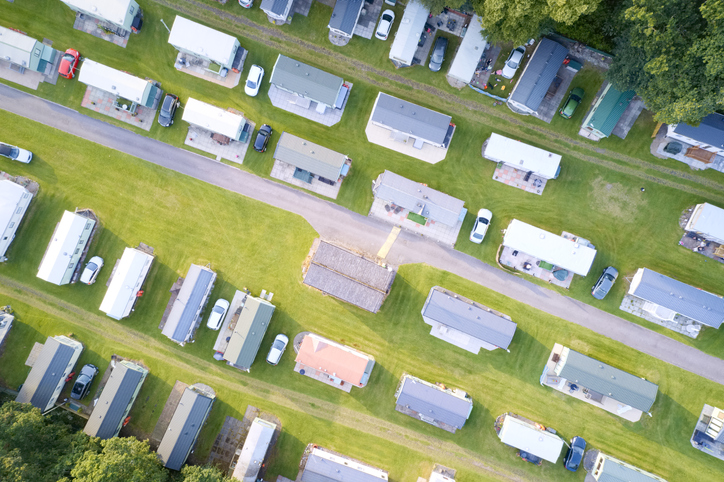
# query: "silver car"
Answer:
x=15 y=153
x=277 y=349
x=90 y=273
x=514 y=60
x=216 y=318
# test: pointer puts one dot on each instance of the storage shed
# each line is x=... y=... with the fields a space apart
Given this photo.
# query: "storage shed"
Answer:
x=201 y=41
x=214 y=119
x=402 y=52
x=308 y=82
x=24 y=51
x=248 y=332
x=706 y=221
x=126 y=281
x=524 y=157
x=471 y=49
x=119 y=13
x=14 y=203
x=66 y=248
x=185 y=315
x=120 y=84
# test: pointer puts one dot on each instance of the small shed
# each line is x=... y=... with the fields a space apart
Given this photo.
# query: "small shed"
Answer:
x=471 y=49
x=310 y=158
x=126 y=281
x=66 y=248
x=185 y=314
x=537 y=77
x=411 y=121
x=344 y=17
x=248 y=333
x=277 y=9
x=253 y=453
x=609 y=469
x=436 y=404
x=708 y=135
x=706 y=220
x=402 y=52
x=14 y=203
x=308 y=82
x=524 y=157
x=120 y=84
x=607 y=111
x=119 y=13
x=201 y=41
x=25 y=52
x=530 y=437
x=214 y=119
x=325 y=466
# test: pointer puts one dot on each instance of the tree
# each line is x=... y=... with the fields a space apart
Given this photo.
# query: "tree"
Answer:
x=206 y=473
x=125 y=459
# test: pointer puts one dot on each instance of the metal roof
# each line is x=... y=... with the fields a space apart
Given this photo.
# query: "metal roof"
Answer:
x=709 y=131
x=277 y=7
x=182 y=431
x=408 y=32
x=467 y=318
x=434 y=402
x=609 y=381
x=549 y=247
x=214 y=119
x=119 y=12
x=309 y=156
x=706 y=219
x=13 y=198
x=203 y=41
x=191 y=298
x=325 y=467
x=307 y=81
x=419 y=199
x=609 y=109
x=128 y=277
x=116 y=400
x=65 y=248
x=539 y=74
x=249 y=332
x=345 y=15
x=471 y=49
x=254 y=450
x=409 y=118
x=115 y=82
x=522 y=156
x=614 y=470
x=522 y=435
x=684 y=299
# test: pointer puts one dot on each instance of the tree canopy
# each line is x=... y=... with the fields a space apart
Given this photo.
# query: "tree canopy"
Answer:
x=126 y=459
x=206 y=473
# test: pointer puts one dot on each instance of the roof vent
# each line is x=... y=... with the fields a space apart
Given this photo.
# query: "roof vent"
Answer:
x=542 y=236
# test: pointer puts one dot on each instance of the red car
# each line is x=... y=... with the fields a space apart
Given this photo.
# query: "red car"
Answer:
x=69 y=63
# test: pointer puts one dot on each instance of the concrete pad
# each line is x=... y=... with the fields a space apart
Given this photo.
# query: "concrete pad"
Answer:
x=235 y=151
x=383 y=137
x=100 y=101
x=438 y=232
x=285 y=172
x=197 y=67
x=286 y=101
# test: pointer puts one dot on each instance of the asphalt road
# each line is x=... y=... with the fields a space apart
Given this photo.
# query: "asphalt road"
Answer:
x=338 y=224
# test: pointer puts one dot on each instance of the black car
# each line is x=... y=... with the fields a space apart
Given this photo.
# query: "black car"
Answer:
x=83 y=382
x=528 y=457
x=604 y=283
x=438 y=54
x=262 y=138
x=575 y=454
x=168 y=110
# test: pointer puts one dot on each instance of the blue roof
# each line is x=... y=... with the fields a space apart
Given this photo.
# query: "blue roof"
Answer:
x=47 y=372
x=275 y=6
x=184 y=428
x=345 y=14
x=539 y=74
x=434 y=402
x=709 y=131
x=191 y=298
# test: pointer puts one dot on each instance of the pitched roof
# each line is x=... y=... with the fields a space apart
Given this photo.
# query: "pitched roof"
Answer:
x=116 y=398
x=326 y=467
x=539 y=74
x=190 y=299
x=614 y=470
x=275 y=6
x=408 y=32
x=47 y=372
x=249 y=332
x=325 y=355
x=706 y=219
x=609 y=381
x=684 y=299
x=254 y=450
x=203 y=41
x=609 y=110
x=709 y=131
x=59 y=260
x=412 y=119
x=114 y=81
x=469 y=53
x=418 y=198
x=469 y=318
x=128 y=277
x=309 y=156
x=522 y=156
x=305 y=80
x=434 y=402
x=345 y=15
x=115 y=11
x=13 y=197
x=213 y=118
x=521 y=435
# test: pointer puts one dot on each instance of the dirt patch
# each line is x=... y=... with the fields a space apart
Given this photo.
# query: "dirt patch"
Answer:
x=617 y=200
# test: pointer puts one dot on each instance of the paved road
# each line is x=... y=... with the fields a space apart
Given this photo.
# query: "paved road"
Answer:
x=338 y=224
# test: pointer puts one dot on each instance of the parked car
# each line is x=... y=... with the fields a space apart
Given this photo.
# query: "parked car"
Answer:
x=277 y=349
x=68 y=63
x=262 y=138
x=83 y=382
x=90 y=273
x=574 y=456
x=482 y=222
x=604 y=283
x=168 y=110
x=253 y=81
x=513 y=62
x=571 y=104
x=15 y=153
x=386 y=21
x=528 y=457
x=438 y=54
x=246 y=3
x=217 y=314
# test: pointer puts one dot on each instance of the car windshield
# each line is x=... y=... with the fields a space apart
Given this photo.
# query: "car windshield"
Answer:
x=483 y=220
x=77 y=388
x=387 y=17
x=251 y=84
x=218 y=309
x=278 y=345
x=68 y=57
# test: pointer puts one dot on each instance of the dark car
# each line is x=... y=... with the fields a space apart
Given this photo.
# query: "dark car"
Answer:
x=68 y=63
x=569 y=108
x=575 y=454
x=83 y=382
x=262 y=138
x=438 y=54
x=168 y=110
x=604 y=283
x=528 y=457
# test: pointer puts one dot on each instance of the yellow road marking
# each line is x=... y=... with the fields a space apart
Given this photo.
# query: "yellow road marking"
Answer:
x=388 y=244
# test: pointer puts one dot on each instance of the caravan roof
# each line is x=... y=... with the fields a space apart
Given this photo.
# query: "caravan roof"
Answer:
x=128 y=276
x=203 y=41
x=521 y=435
x=408 y=33
x=522 y=156
x=60 y=253
x=114 y=81
x=213 y=118
x=472 y=47
x=706 y=219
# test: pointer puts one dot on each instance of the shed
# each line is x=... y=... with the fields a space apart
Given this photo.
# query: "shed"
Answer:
x=120 y=13
x=214 y=119
x=47 y=377
x=607 y=111
x=248 y=332
x=118 y=83
x=126 y=281
x=433 y=404
x=253 y=453
x=310 y=157
x=524 y=157
x=342 y=363
x=668 y=297
x=556 y=250
x=277 y=9
x=308 y=82
x=408 y=33
x=323 y=466
x=116 y=400
x=14 y=203
x=471 y=49
x=24 y=51
x=201 y=41
x=408 y=120
x=65 y=249
x=185 y=314
x=186 y=423
x=344 y=17
x=538 y=76
x=708 y=135
x=609 y=469
x=706 y=220
x=466 y=324
x=530 y=437
x=419 y=198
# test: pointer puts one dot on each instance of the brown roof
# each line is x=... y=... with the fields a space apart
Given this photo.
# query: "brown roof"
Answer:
x=319 y=354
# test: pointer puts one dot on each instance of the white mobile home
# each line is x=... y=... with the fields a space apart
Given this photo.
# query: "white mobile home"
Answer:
x=24 y=51
x=214 y=119
x=65 y=249
x=120 y=84
x=128 y=276
x=529 y=436
x=185 y=314
x=408 y=33
x=14 y=202
x=706 y=220
x=200 y=41
x=471 y=49
x=119 y=13
x=522 y=156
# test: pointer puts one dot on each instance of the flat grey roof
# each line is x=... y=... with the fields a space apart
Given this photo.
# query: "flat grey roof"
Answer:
x=46 y=373
x=411 y=119
x=249 y=332
x=184 y=428
x=275 y=6
x=434 y=403
x=709 y=131
x=305 y=80
x=418 y=198
x=190 y=299
x=539 y=73
x=319 y=469
x=345 y=14
x=459 y=314
x=309 y=156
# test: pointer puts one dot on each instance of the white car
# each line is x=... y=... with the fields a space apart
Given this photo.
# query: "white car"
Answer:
x=90 y=273
x=253 y=81
x=513 y=62
x=246 y=3
x=15 y=153
x=482 y=222
x=277 y=349
x=217 y=314
x=386 y=21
